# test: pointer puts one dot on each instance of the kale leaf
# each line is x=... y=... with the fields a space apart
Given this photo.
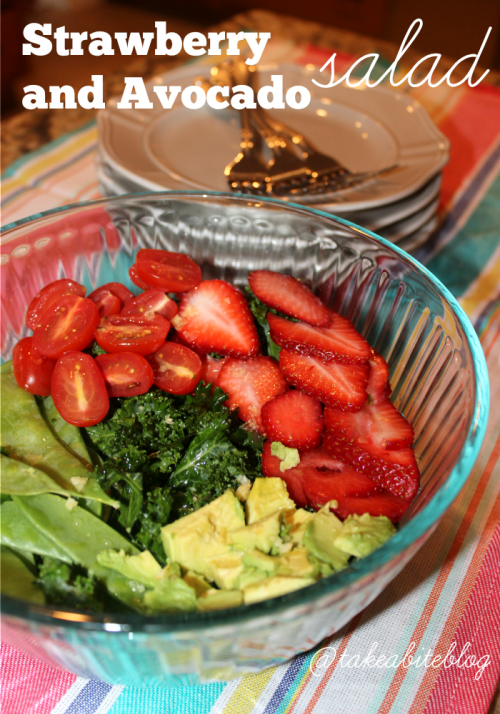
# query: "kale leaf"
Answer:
x=259 y=310
x=70 y=586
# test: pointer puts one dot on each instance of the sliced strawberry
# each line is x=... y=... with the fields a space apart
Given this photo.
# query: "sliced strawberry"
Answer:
x=293 y=418
x=378 y=504
x=319 y=478
x=378 y=387
x=288 y=295
x=214 y=317
x=379 y=425
x=338 y=385
x=394 y=471
x=250 y=384
x=339 y=342
x=210 y=368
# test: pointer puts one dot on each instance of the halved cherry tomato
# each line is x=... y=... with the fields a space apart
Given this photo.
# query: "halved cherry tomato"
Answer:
x=50 y=295
x=210 y=368
x=32 y=370
x=177 y=369
x=152 y=301
x=131 y=333
x=78 y=389
x=119 y=290
x=107 y=302
x=134 y=277
x=69 y=325
x=172 y=272
x=126 y=374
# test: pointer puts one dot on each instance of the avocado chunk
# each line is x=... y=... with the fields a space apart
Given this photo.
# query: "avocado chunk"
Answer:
x=255 y=559
x=296 y=522
x=192 y=540
x=261 y=535
x=170 y=594
x=143 y=567
x=319 y=539
x=197 y=582
x=272 y=587
x=361 y=535
x=289 y=457
x=225 y=569
x=220 y=600
x=296 y=563
x=267 y=496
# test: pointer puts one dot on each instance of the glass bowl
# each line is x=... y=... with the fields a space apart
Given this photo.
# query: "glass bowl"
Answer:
x=438 y=375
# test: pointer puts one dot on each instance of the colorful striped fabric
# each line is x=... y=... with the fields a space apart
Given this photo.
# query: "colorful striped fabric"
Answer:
x=396 y=656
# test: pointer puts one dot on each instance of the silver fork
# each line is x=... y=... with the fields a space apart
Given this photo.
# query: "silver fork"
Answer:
x=295 y=167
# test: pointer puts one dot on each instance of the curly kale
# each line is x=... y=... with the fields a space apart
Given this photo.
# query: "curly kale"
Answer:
x=259 y=310
x=164 y=456
x=70 y=586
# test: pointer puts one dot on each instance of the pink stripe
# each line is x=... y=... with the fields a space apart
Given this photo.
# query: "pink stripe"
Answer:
x=28 y=686
x=456 y=688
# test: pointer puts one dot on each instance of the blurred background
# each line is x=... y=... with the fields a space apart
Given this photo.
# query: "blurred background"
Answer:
x=452 y=29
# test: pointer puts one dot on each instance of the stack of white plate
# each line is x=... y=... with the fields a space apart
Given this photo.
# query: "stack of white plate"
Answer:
x=364 y=129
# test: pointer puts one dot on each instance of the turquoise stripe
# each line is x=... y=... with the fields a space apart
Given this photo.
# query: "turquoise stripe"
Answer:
x=46 y=148
x=460 y=262
x=157 y=700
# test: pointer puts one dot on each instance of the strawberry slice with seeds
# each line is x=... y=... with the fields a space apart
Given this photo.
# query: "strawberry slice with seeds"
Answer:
x=293 y=418
x=320 y=478
x=289 y=296
x=339 y=342
x=394 y=471
x=378 y=387
x=214 y=317
x=249 y=384
x=376 y=425
x=342 y=386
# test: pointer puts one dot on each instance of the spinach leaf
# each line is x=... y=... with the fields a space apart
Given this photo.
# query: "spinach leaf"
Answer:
x=19 y=533
x=18 y=579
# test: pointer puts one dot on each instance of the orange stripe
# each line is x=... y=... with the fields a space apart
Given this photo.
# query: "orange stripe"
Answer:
x=443 y=576
x=462 y=598
x=493 y=341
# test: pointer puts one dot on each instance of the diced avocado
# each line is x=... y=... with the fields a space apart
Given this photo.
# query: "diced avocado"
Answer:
x=296 y=563
x=267 y=496
x=361 y=535
x=220 y=600
x=255 y=559
x=143 y=567
x=319 y=539
x=225 y=569
x=251 y=575
x=297 y=520
x=261 y=535
x=193 y=539
x=195 y=581
x=170 y=594
x=272 y=587
x=289 y=457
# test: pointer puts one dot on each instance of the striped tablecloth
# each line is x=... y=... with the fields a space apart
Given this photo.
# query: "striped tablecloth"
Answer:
x=446 y=603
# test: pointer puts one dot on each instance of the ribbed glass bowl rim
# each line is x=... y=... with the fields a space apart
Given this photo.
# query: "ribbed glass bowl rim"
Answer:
x=345 y=579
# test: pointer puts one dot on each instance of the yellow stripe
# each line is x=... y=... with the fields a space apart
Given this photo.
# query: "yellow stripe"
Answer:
x=248 y=692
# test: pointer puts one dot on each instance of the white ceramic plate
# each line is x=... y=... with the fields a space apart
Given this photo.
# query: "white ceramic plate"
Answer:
x=365 y=129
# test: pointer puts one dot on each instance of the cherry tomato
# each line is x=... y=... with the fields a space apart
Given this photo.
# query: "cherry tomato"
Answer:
x=107 y=302
x=78 y=389
x=152 y=301
x=121 y=292
x=126 y=374
x=131 y=333
x=177 y=369
x=50 y=295
x=134 y=277
x=68 y=325
x=211 y=368
x=172 y=272
x=32 y=370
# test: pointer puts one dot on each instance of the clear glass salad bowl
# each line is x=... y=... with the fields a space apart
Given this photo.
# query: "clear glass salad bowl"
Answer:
x=439 y=381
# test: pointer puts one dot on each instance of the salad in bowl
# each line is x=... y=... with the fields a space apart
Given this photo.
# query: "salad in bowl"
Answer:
x=227 y=424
